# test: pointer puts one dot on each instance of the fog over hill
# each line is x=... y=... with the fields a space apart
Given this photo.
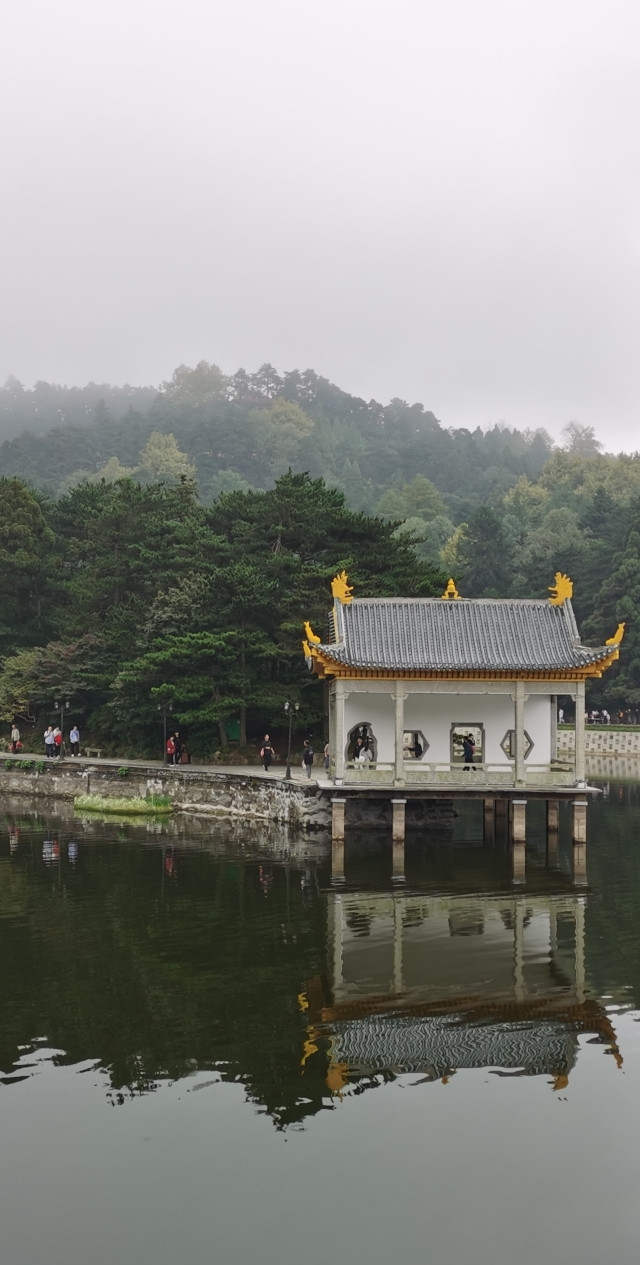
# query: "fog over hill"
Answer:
x=435 y=201
x=245 y=429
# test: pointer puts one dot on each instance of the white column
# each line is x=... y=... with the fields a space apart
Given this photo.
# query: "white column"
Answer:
x=554 y=726
x=580 y=734
x=399 y=698
x=338 y=730
x=579 y=820
x=332 y=732
x=519 y=731
x=519 y=821
x=338 y=807
x=398 y=809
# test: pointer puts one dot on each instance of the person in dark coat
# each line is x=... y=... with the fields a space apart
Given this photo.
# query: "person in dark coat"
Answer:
x=468 y=747
x=267 y=753
x=307 y=758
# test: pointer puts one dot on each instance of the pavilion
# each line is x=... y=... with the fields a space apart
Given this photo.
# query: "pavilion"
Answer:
x=411 y=678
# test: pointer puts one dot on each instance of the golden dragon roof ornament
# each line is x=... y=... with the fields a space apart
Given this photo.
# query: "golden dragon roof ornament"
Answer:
x=310 y=642
x=561 y=590
x=617 y=636
x=341 y=588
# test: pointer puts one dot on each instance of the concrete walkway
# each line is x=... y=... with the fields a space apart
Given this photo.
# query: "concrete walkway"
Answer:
x=276 y=772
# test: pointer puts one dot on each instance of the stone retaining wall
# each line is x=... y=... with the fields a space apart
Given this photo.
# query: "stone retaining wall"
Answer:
x=235 y=796
x=223 y=794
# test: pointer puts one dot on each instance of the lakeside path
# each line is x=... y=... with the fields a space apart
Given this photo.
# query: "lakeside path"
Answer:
x=276 y=772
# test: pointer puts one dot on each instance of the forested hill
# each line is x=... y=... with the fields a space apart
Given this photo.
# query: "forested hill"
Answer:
x=501 y=510
x=246 y=430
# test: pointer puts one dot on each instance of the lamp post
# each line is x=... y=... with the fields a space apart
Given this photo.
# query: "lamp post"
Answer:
x=165 y=709
x=290 y=709
x=62 y=708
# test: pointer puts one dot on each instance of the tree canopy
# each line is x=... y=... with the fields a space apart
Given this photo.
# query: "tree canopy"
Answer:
x=217 y=507
x=150 y=596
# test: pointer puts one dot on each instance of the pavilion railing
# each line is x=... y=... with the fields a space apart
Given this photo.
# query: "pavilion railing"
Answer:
x=435 y=773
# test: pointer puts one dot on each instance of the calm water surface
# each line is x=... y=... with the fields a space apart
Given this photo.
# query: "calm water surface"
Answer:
x=208 y=1054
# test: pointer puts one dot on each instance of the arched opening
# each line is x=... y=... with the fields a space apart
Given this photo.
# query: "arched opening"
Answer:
x=362 y=745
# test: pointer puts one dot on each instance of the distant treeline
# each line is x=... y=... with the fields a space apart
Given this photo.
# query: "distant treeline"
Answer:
x=245 y=430
x=501 y=511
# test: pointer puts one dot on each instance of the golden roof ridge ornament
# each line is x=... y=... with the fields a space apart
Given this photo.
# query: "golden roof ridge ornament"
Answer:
x=561 y=590
x=451 y=593
x=310 y=635
x=617 y=636
x=341 y=589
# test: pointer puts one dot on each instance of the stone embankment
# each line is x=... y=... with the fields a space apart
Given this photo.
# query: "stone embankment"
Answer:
x=207 y=792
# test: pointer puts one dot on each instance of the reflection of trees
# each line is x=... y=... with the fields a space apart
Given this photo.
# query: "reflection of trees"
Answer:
x=159 y=978
x=613 y=944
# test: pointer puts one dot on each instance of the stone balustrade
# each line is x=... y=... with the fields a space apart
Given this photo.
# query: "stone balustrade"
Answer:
x=601 y=742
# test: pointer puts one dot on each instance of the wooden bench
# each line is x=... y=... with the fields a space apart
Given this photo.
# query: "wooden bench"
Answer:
x=96 y=752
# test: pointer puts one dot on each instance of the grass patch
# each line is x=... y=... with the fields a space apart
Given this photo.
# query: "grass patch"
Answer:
x=152 y=804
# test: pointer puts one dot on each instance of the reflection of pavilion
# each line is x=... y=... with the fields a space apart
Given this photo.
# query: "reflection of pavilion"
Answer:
x=436 y=983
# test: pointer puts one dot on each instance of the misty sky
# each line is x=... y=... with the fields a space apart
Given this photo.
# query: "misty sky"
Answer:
x=432 y=199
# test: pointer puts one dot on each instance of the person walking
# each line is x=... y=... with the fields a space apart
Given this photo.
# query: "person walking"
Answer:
x=49 y=743
x=267 y=753
x=307 y=757
x=74 y=739
x=171 y=750
x=468 y=747
x=326 y=760
x=57 y=742
x=15 y=737
x=178 y=744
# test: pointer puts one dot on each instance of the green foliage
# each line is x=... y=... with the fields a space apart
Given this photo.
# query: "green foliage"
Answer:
x=162 y=459
x=417 y=499
x=160 y=600
x=26 y=554
x=129 y=589
x=481 y=558
x=152 y=804
x=123 y=771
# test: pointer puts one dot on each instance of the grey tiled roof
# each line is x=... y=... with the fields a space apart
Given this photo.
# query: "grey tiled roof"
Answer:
x=428 y=634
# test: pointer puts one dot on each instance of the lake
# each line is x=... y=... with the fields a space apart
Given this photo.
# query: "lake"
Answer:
x=208 y=1053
